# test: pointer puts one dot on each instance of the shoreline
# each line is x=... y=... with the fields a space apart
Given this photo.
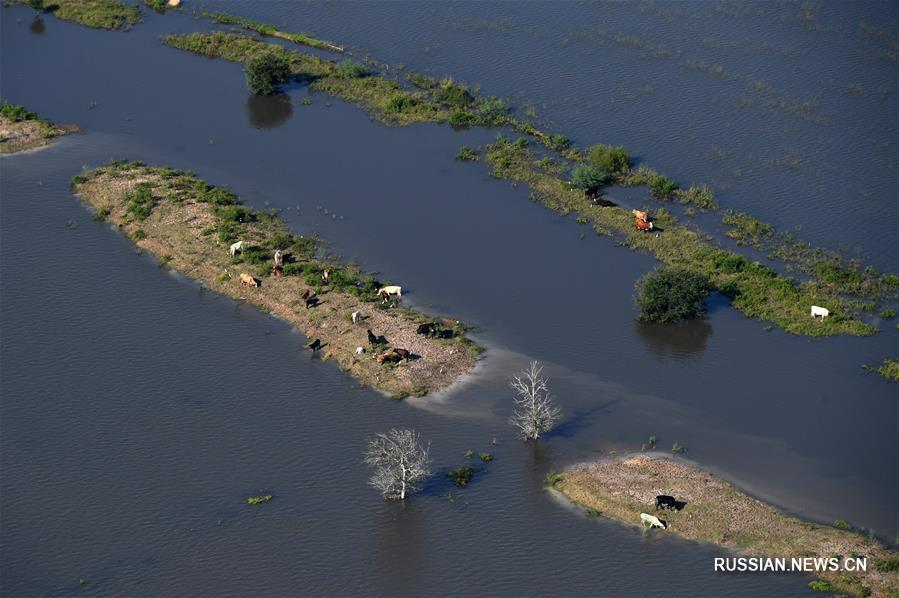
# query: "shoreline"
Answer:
x=29 y=134
x=188 y=226
x=715 y=511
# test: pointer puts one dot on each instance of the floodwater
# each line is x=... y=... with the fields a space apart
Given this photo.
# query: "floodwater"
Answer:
x=139 y=411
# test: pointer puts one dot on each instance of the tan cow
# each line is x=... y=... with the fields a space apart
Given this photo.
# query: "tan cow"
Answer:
x=248 y=280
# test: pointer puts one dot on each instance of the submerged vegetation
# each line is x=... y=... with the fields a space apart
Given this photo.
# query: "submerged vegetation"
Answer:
x=889 y=369
x=272 y=31
x=258 y=500
x=100 y=14
x=622 y=489
x=188 y=225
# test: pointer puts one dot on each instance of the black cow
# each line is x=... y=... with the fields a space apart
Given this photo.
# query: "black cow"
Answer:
x=311 y=302
x=428 y=329
x=315 y=345
x=376 y=340
x=665 y=501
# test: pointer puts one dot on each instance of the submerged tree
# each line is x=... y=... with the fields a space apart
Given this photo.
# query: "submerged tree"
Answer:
x=535 y=411
x=266 y=72
x=400 y=460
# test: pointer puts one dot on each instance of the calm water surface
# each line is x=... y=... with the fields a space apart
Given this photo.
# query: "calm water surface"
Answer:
x=139 y=411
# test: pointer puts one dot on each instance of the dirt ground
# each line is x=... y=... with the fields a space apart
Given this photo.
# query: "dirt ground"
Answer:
x=29 y=134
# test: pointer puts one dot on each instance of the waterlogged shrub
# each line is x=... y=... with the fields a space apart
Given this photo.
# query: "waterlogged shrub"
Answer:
x=466 y=153
x=461 y=118
x=348 y=69
x=461 y=476
x=552 y=478
x=662 y=188
x=422 y=81
x=140 y=202
x=888 y=314
x=700 y=196
x=454 y=94
x=493 y=110
x=401 y=103
x=266 y=72
x=842 y=524
x=588 y=176
x=560 y=142
x=609 y=158
x=671 y=294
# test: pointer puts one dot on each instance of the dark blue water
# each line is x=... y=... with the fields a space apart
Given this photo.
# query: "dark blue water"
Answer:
x=138 y=411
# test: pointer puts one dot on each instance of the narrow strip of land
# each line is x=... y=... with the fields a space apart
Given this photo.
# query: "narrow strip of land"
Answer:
x=714 y=511
x=189 y=226
x=21 y=130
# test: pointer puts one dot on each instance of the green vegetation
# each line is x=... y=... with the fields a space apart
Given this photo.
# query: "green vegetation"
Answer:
x=101 y=214
x=842 y=524
x=266 y=72
x=662 y=188
x=16 y=113
x=746 y=229
x=613 y=160
x=621 y=489
x=272 y=31
x=258 y=500
x=466 y=153
x=588 y=176
x=552 y=478
x=188 y=225
x=486 y=457
x=351 y=70
x=677 y=449
x=889 y=369
x=700 y=196
x=461 y=476
x=822 y=586
x=671 y=294
x=100 y=14
x=888 y=314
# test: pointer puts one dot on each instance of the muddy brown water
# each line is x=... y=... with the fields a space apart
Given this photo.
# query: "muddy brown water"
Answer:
x=139 y=411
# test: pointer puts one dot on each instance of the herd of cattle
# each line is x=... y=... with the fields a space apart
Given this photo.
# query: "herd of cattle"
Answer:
x=310 y=299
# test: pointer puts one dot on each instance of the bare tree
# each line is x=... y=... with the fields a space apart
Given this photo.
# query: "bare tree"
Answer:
x=535 y=411
x=400 y=460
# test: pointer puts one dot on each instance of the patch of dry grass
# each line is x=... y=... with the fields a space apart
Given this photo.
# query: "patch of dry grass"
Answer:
x=718 y=513
x=19 y=136
x=182 y=224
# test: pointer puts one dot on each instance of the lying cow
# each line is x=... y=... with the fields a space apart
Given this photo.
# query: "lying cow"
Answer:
x=666 y=502
x=820 y=311
x=389 y=357
x=246 y=279
x=235 y=248
x=390 y=291
x=643 y=225
x=277 y=271
x=653 y=521
x=403 y=353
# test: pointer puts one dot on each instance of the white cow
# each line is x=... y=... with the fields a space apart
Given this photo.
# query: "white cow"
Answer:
x=390 y=291
x=359 y=350
x=820 y=311
x=235 y=247
x=652 y=520
x=357 y=316
x=279 y=258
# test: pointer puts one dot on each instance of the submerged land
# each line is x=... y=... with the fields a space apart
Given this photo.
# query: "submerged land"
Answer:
x=189 y=225
x=716 y=512
x=21 y=130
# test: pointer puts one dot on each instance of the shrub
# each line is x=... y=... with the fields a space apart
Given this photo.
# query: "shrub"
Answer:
x=266 y=72
x=401 y=103
x=700 y=196
x=888 y=314
x=350 y=70
x=422 y=81
x=822 y=586
x=560 y=142
x=466 y=153
x=493 y=110
x=609 y=158
x=671 y=294
x=842 y=524
x=454 y=94
x=234 y=213
x=677 y=449
x=140 y=202
x=588 y=176
x=16 y=113
x=461 y=476
x=461 y=118
x=101 y=214
x=552 y=478
x=258 y=500
x=663 y=188
x=486 y=457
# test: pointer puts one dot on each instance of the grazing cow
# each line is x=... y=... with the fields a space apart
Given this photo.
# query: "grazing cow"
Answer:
x=820 y=311
x=315 y=345
x=403 y=353
x=653 y=521
x=278 y=271
x=357 y=316
x=248 y=280
x=668 y=502
x=640 y=215
x=643 y=225
x=389 y=357
x=305 y=295
x=326 y=275
x=390 y=291
x=376 y=340
x=310 y=302
x=279 y=258
x=428 y=329
x=359 y=350
x=235 y=248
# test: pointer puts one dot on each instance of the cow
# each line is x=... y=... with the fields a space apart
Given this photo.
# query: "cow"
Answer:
x=277 y=271
x=315 y=345
x=428 y=329
x=403 y=353
x=248 y=280
x=389 y=357
x=653 y=521
x=359 y=350
x=820 y=311
x=305 y=295
x=326 y=275
x=357 y=316
x=279 y=258
x=665 y=501
x=173 y=3
x=235 y=248
x=640 y=215
x=390 y=291
x=310 y=302
x=376 y=340
x=643 y=225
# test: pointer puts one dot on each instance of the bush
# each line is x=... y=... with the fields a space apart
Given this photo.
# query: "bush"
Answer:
x=350 y=70
x=822 y=586
x=401 y=103
x=842 y=524
x=140 y=202
x=461 y=476
x=588 y=176
x=671 y=294
x=16 y=113
x=454 y=94
x=700 y=196
x=561 y=142
x=493 y=110
x=661 y=187
x=609 y=158
x=466 y=153
x=461 y=118
x=888 y=314
x=266 y=72
x=234 y=213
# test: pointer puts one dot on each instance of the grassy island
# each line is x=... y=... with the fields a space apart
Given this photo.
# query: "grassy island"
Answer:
x=189 y=225
x=718 y=513
x=99 y=14
x=21 y=130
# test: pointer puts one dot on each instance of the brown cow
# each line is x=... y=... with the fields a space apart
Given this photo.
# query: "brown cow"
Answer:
x=389 y=357
x=277 y=271
x=248 y=280
x=643 y=225
x=403 y=353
